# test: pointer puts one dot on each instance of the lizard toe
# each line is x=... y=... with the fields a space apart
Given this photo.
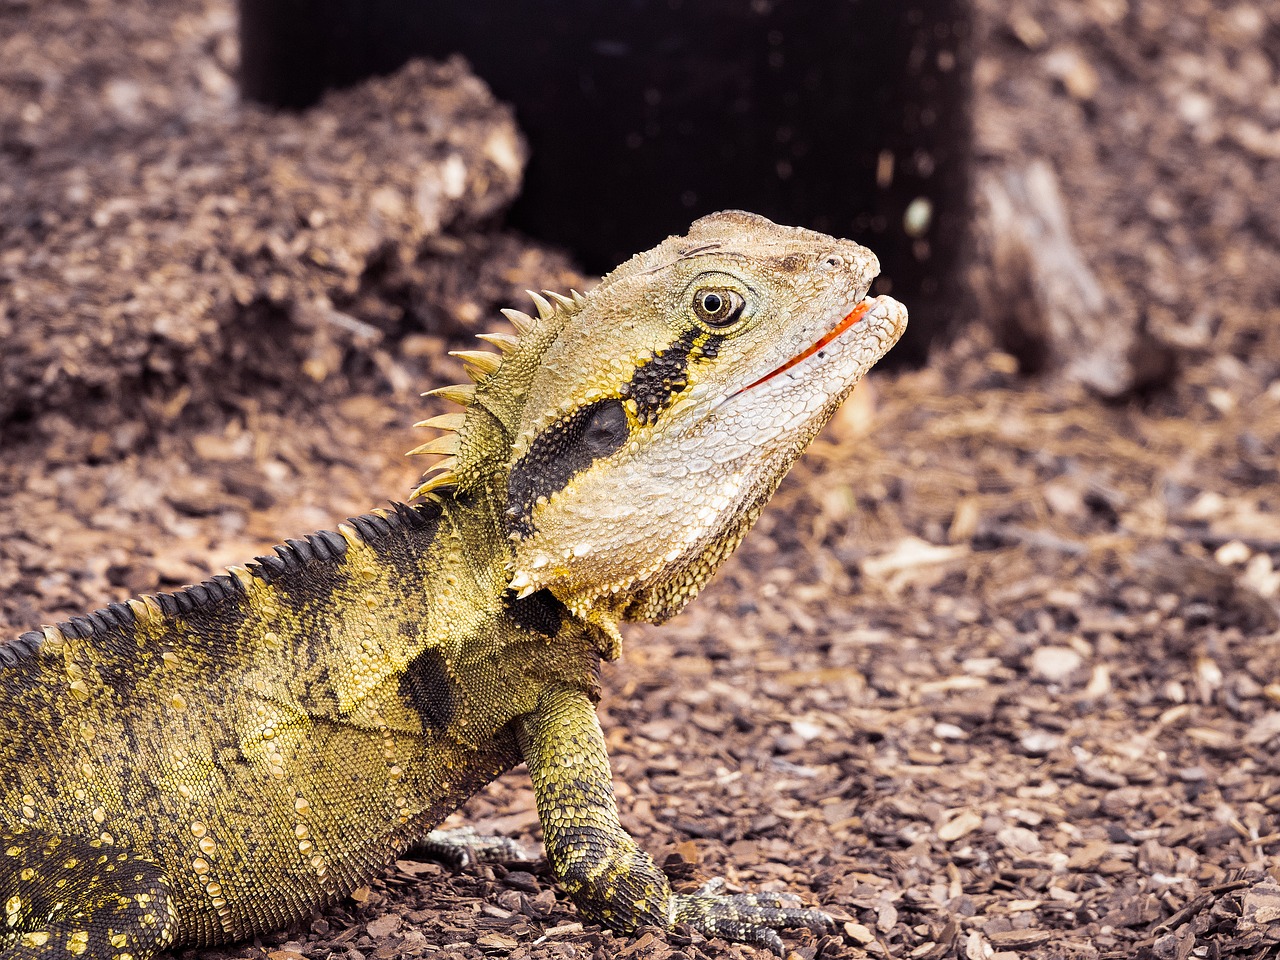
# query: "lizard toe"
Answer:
x=463 y=847
x=749 y=917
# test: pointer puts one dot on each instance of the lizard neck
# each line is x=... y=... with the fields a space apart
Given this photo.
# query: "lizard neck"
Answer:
x=474 y=526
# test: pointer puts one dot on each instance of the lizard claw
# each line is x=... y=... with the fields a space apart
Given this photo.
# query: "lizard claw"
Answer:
x=752 y=918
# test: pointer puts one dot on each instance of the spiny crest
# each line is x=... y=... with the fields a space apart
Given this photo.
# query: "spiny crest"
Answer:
x=326 y=546
x=492 y=400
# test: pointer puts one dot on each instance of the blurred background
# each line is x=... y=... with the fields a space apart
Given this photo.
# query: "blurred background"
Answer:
x=996 y=674
x=839 y=118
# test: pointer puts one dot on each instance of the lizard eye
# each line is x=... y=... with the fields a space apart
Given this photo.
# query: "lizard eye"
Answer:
x=718 y=308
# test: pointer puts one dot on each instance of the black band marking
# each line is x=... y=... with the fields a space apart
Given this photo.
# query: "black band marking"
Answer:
x=563 y=450
x=666 y=376
x=428 y=688
x=655 y=384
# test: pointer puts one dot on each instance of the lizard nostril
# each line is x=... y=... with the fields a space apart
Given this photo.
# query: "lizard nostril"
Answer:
x=834 y=260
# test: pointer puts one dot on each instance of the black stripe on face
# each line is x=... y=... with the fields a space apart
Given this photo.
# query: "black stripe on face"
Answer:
x=653 y=385
x=666 y=376
x=560 y=452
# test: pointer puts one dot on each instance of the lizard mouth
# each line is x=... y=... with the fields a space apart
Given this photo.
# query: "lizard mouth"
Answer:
x=857 y=313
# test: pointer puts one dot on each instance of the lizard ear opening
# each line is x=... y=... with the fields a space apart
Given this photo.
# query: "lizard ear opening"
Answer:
x=559 y=453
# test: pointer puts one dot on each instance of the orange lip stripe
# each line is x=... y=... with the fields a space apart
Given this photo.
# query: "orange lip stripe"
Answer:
x=854 y=316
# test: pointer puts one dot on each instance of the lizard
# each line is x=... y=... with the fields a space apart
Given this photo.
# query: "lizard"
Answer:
x=204 y=766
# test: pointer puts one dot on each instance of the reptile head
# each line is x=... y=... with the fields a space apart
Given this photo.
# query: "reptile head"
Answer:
x=633 y=436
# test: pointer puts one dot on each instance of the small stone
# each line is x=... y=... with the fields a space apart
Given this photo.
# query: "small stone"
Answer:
x=959 y=825
x=807 y=731
x=1231 y=553
x=1039 y=743
x=1055 y=664
x=1019 y=839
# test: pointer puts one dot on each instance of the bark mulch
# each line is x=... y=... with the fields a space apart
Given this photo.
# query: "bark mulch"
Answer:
x=995 y=676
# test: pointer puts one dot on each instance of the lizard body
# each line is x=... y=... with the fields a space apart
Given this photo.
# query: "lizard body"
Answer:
x=200 y=767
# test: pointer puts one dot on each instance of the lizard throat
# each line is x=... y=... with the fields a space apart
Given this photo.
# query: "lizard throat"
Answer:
x=856 y=314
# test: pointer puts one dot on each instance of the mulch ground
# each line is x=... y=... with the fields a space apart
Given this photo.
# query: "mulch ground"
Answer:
x=995 y=676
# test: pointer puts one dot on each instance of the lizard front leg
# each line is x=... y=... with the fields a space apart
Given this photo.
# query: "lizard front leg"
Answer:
x=609 y=877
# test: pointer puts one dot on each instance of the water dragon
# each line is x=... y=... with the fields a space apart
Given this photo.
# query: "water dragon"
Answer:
x=207 y=765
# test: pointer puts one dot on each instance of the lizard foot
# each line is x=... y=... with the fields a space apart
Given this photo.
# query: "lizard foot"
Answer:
x=752 y=918
x=463 y=847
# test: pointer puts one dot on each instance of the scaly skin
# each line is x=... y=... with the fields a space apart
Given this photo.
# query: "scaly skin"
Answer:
x=201 y=767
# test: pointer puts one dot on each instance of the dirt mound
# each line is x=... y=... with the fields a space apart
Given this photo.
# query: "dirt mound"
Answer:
x=236 y=245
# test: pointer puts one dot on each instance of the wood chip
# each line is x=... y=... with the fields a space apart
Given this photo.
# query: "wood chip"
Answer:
x=958 y=826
